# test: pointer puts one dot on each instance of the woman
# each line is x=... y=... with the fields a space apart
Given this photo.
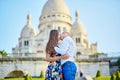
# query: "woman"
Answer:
x=54 y=70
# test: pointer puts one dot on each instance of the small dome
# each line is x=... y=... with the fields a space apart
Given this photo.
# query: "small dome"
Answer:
x=55 y=6
x=28 y=29
x=78 y=27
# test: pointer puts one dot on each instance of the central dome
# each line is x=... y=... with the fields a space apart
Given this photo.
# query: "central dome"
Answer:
x=55 y=6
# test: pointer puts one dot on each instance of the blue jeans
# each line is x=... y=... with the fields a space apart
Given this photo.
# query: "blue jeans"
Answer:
x=69 y=70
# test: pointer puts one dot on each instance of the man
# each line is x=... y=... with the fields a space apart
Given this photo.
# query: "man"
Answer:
x=68 y=47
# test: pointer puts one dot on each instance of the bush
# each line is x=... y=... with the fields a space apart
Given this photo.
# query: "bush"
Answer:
x=118 y=75
x=113 y=77
x=42 y=74
x=98 y=74
x=28 y=77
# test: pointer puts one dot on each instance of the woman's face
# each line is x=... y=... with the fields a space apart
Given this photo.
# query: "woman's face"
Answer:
x=59 y=37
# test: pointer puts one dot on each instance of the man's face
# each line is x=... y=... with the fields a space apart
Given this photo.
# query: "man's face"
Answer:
x=61 y=36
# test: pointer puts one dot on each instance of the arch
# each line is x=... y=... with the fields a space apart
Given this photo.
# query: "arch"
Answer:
x=15 y=73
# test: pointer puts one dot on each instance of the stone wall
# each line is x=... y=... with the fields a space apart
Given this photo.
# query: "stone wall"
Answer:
x=34 y=67
x=91 y=67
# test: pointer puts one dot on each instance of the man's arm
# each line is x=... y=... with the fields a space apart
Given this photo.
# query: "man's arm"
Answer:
x=62 y=49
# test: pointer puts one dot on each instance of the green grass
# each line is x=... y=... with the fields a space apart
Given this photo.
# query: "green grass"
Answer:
x=102 y=78
x=22 y=79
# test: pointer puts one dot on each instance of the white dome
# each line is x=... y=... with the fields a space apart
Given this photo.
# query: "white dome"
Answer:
x=55 y=6
x=78 y=27
x=28 y=30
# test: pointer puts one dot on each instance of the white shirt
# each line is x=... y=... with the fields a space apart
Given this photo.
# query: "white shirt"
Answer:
x=67 y=46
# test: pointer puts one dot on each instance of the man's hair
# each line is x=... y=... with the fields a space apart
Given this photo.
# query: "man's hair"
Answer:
x=66 y=33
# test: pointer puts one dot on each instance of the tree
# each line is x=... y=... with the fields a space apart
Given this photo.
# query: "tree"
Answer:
x=117 y=75
x=3 y=53
x=98 y=73
x=42 y=74
x=118 y=62
x=113 y=77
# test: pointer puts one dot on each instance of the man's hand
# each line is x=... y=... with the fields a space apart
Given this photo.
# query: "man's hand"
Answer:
x=65 y=56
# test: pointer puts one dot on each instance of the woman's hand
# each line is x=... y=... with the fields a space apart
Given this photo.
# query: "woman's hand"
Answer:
x=65 y=56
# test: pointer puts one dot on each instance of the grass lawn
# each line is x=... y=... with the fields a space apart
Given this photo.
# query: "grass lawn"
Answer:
x=102 y=78
x=22 y=79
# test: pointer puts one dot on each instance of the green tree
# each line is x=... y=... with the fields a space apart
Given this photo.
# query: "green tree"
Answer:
x=118 y=62
x=3 y=52
x=98 y=73
x=117 y=75
x=113 y=77
x=42 y=74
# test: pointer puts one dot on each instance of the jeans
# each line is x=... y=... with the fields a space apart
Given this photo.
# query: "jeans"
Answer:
x=69 y=70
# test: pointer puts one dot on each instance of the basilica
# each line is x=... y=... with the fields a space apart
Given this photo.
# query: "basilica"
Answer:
x=54 y=15
x=29 y=53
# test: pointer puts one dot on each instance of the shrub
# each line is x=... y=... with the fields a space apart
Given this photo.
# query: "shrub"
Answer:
x=113 y=77
x=98 y=74
x=42 y=74
x=117 y=75
x=28 y=77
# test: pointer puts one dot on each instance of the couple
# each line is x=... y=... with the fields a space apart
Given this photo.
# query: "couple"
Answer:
x=60 y=57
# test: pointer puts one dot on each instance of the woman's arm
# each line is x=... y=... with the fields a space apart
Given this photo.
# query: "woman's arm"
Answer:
x=48 y=58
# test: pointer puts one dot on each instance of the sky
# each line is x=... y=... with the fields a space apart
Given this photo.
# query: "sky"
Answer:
x=101 y=19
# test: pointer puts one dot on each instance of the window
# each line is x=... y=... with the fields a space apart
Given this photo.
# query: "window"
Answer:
x=64 y=29
x=20 y=44
x=53 y=15
x=48 y=16
x=77 y=40
x=78 y=53
x=26 y=43
x=44 y=17
x=59 y=29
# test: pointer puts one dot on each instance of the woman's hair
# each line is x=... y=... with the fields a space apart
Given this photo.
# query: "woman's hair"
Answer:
x=53 y=41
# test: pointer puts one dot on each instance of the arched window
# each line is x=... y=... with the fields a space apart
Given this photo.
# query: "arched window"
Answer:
x=77 y=40
x=16 y=73
x=20 y=44
x=78 y=53
x=59 y=29
x=64 y=29
x=26 y=43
